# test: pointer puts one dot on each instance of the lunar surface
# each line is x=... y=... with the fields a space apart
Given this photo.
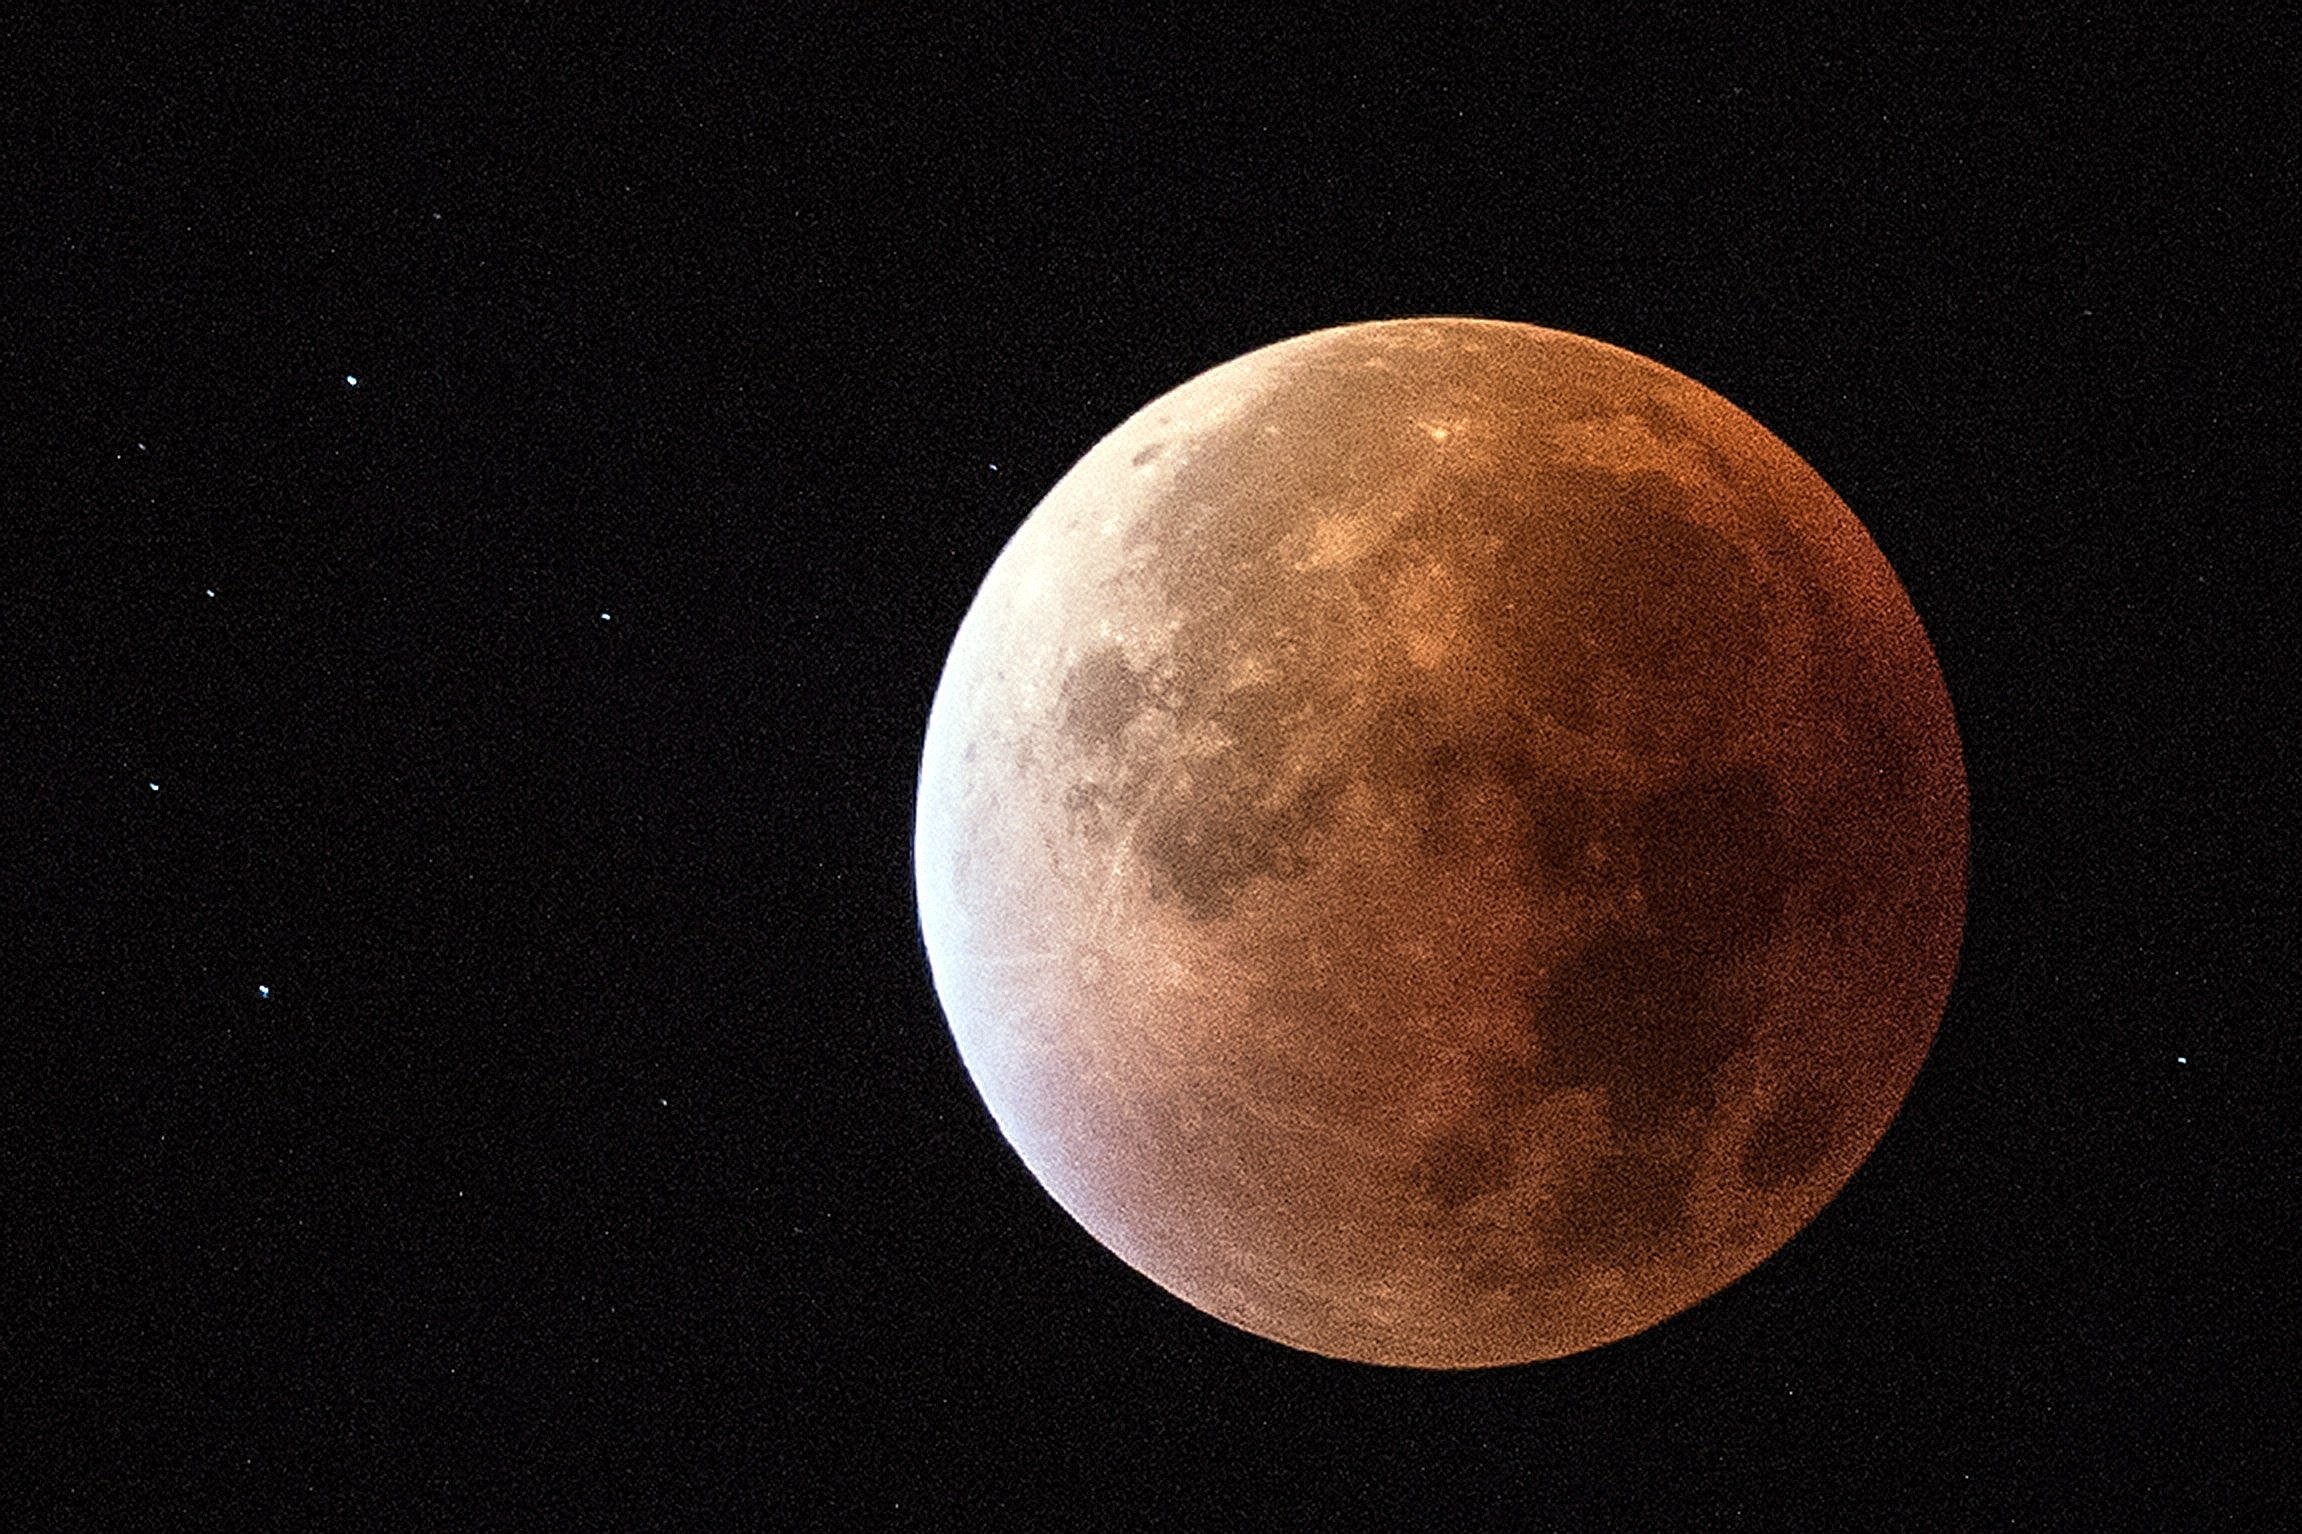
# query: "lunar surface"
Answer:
x=1442 y=842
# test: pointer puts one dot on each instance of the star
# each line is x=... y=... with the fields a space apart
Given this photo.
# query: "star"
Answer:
x=351 y=380
x=154 y=787
x=606 y=617
x=264 y=992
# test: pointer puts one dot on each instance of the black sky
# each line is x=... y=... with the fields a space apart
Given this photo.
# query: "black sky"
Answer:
x=537 y=719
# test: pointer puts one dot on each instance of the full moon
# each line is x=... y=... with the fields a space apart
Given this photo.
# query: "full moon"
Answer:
x=1442 y=842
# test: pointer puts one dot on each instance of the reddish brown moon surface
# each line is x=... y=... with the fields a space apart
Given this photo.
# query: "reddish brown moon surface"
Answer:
x=1442 y=842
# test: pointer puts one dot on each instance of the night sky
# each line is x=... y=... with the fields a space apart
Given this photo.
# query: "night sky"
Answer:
x=484 y=505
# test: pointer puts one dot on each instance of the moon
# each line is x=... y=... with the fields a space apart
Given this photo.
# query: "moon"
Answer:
x=1442 y=842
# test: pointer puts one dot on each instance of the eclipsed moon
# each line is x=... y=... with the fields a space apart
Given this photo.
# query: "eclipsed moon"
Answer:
x=1442 y=842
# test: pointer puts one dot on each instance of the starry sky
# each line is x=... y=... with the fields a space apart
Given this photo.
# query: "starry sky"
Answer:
x=485 y=502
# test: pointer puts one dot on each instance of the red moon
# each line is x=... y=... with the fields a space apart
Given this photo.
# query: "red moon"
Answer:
x=1442 y=842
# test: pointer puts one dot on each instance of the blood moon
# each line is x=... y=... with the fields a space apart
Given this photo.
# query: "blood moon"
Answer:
x=1442 y=842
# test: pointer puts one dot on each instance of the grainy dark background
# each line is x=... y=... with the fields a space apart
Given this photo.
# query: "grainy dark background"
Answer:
x=598 y=1156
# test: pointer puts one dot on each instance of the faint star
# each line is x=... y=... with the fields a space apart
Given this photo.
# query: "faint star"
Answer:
x=2181 y=1059
x=606 y=617
x=154 y=787
x=351 y=380
x=209 y=589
